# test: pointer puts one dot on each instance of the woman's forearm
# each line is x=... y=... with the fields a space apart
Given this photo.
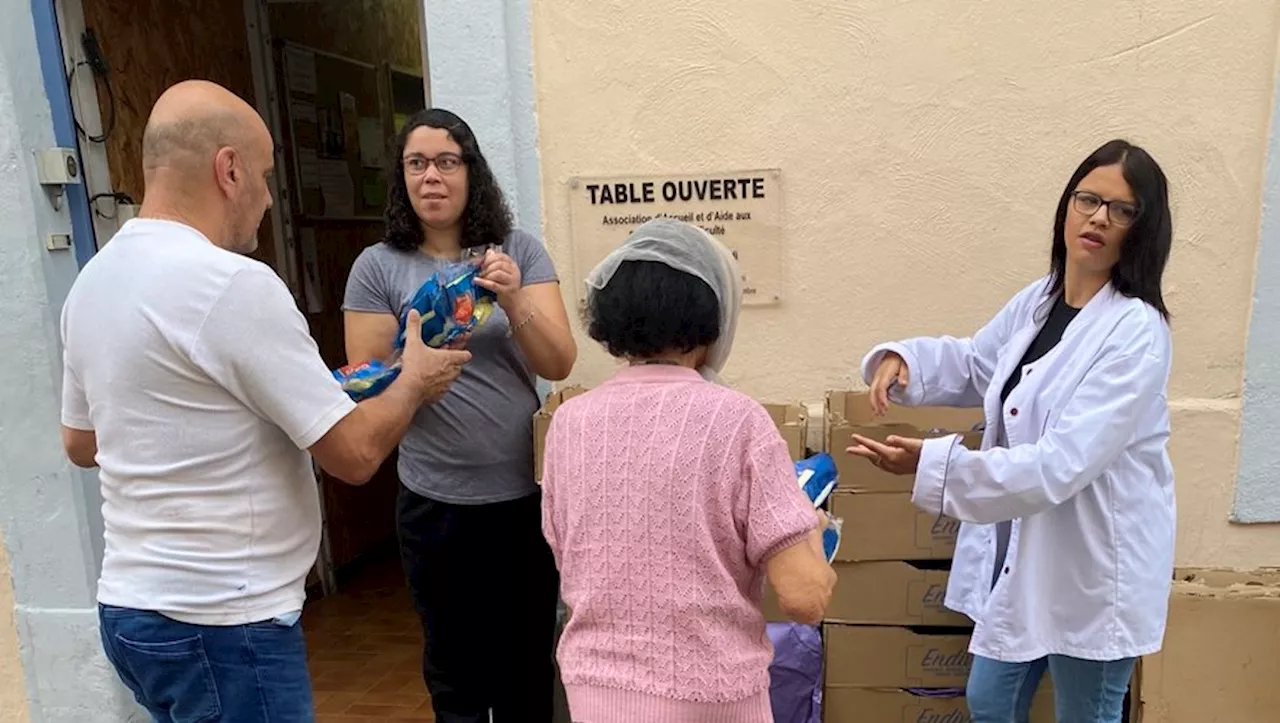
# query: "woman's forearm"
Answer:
x=547 y=342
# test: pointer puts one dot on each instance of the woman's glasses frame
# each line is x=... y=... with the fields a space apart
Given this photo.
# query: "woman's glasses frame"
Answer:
x=1120 y=213
x=446 y=163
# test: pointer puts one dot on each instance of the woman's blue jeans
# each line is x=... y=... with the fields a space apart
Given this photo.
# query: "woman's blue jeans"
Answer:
x=1085 y=691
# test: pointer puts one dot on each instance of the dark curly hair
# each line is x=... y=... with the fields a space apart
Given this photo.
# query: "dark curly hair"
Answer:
x=485 y=220
x=649 y=308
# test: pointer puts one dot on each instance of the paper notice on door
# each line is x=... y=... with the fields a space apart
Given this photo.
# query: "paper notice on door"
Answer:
x=311 y=272
x=290 y=262
x=371 y=145
x=308 y=168
x=300 y=70
x=338 y=189
x=347 y=102
x=306 y=132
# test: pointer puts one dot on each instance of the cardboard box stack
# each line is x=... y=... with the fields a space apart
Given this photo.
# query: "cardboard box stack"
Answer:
x=893 y=652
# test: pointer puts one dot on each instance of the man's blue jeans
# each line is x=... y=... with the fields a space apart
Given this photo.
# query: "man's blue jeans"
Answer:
x=183 y=673
x=1085 y=691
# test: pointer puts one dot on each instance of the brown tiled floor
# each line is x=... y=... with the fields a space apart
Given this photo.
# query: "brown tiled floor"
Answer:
x=365 y=647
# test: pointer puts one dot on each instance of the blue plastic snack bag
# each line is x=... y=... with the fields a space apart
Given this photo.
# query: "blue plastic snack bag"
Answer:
x=450 y=304
x=818 y=477
x=367 y=379
x=831 y=537
x=429 y=301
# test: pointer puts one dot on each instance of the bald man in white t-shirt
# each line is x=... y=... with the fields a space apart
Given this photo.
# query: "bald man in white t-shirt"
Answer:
x=191 y=380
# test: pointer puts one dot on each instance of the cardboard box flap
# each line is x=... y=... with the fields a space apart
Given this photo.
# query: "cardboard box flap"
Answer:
x=793 y=424
x=854 y=409
x=878 y=432
x=542 y=422
x=558 y=397
x=849 y=413
x=786 y=414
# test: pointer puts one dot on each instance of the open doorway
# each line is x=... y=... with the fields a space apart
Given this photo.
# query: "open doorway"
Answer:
x=334 y=79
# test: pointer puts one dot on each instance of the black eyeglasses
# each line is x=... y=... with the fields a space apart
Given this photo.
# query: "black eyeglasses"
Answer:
x=446 y=163
x=1121 y=213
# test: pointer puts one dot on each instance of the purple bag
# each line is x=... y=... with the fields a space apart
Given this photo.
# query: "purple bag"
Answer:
x=795 y=675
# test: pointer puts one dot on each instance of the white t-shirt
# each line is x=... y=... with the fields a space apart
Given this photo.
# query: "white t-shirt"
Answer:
x=196 y=370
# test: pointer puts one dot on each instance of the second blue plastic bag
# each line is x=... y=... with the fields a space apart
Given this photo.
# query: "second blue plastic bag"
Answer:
x=818 y=477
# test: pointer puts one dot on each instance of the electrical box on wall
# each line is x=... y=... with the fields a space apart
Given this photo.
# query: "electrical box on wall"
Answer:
x=57 y=167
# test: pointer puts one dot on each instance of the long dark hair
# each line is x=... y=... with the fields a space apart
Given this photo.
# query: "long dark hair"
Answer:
x=486 y=218
x=1146 y=247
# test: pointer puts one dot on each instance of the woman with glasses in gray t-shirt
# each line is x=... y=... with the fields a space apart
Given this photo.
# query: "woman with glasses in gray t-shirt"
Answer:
x=468 y=515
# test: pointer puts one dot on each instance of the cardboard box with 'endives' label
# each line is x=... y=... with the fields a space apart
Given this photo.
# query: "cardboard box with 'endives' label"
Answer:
x=880 y=526
x=859 y=656
x=872 y=705
x=892 y=593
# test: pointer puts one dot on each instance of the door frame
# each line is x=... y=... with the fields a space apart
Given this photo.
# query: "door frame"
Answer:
x=53 y=65
x=83 y=96
x=257 y=20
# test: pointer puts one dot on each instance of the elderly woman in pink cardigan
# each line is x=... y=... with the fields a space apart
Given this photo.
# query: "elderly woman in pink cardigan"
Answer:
x=667 y=497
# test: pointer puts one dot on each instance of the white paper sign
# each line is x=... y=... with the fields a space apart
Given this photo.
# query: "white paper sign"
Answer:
x=311 y=270
x=300 y=70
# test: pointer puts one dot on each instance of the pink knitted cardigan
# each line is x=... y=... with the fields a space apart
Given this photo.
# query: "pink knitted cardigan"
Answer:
x=663 y=496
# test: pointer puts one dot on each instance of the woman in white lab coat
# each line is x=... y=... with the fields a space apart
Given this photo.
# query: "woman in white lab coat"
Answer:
x=1065 y=558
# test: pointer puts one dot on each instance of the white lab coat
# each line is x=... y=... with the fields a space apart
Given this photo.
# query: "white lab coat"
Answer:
x=1086 y=478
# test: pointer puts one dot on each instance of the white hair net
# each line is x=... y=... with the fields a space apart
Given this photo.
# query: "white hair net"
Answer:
x=686 y=248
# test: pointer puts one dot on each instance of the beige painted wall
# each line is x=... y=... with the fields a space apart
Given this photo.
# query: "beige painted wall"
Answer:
x=13 y=691
x=923 y=149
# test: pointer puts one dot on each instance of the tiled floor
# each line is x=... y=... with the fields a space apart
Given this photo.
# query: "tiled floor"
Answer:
x=365 y=647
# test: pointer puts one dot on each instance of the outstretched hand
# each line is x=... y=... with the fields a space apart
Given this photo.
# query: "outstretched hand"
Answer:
x=898 y=455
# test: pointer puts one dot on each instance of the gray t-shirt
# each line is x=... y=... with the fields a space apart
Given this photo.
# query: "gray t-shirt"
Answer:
x=474 y=446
